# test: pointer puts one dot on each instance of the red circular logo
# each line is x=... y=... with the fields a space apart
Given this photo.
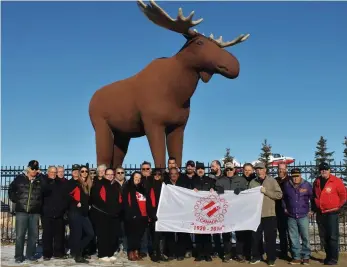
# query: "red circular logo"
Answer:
x=211 y=209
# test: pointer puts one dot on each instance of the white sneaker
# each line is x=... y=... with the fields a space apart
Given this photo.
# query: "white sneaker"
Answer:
x=113 y=258
x=105 y=259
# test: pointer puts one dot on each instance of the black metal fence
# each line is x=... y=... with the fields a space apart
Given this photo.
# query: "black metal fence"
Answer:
x=309 y=172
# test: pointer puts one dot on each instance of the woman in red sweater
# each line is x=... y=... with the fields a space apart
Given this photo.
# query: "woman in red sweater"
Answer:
x=138 y=211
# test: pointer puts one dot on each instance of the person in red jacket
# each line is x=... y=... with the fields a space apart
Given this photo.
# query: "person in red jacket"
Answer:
x=107 y=204
x=329 y=195
x=137 y=213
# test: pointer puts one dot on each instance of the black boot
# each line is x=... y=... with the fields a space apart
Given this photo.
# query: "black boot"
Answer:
x=155 y=257
x=80 y=259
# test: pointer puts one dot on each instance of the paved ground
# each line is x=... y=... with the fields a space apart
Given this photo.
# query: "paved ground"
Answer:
x=7 y=260
x=218 y=262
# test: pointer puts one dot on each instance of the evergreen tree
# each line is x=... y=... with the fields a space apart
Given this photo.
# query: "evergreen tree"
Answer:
x=266 y=153
x=321 y=155
x=228 y=157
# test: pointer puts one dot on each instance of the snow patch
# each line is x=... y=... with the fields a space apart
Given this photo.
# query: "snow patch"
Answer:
x=7 y=260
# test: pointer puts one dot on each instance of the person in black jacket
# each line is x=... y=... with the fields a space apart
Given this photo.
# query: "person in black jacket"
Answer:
x=236 y=183
x=203 y=241
x=78 y=189
x=26 y=192
x=137 y=214
x=54 y=207
x=154 y=194
x=106 y=200
x=177 y=249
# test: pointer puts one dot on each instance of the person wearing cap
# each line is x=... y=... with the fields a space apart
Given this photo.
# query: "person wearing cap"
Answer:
x=26 y=192
x=282 y=219
x=268 y=224
x=329 y=195
x=297 y=193
x=230 y=181
x=203 y=241
x=189 y=173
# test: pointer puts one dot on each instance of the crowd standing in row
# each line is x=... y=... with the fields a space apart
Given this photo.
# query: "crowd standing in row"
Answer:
x=108 y=214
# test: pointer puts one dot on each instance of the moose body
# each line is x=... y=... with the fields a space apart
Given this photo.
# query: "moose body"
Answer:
x=156 y=101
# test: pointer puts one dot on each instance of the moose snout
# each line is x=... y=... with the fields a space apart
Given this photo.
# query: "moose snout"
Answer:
x=230 y=68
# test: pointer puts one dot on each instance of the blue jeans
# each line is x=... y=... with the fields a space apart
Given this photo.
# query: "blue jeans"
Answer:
x=26 y=222
x=299 y=228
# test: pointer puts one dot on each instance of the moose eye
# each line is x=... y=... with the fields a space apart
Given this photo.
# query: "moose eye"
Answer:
x=199 y=42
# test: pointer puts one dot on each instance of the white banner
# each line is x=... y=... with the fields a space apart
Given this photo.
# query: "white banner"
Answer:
x=184 y=210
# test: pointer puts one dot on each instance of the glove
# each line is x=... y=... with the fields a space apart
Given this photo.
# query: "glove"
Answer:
x=263 y=190
x=237 y=191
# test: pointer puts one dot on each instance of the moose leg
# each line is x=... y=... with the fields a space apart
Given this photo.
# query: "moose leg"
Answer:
x=156 y=139
x=174 y=142
x=104 y=142
x=121 y=144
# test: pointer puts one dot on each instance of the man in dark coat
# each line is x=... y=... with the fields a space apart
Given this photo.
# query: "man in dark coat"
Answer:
x=26 y=192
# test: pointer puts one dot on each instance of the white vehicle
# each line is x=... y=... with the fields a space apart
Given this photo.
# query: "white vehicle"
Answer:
x=276 y=159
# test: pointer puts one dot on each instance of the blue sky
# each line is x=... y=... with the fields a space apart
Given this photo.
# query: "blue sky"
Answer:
x=291 y=88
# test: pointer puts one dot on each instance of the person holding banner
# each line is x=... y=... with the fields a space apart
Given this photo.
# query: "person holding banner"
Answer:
x=203 y=241
x=177 y=249
x=137 y=214
x=230 y=181
x=268 y=224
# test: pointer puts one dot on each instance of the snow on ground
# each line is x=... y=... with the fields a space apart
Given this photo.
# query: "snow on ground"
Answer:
x=7 y=260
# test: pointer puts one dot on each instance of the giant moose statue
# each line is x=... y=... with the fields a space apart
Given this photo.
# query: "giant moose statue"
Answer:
x=156 y=101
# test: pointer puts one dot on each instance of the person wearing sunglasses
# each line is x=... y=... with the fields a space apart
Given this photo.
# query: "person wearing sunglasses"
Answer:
x=79 y=191
x=146 y=181
x=120 y=178
x=26 y=192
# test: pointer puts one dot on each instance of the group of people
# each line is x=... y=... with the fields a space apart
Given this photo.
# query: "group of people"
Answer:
x=106 y=213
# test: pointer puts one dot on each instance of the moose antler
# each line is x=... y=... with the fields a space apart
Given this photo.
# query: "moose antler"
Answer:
x=158 y=16
x=219 y=41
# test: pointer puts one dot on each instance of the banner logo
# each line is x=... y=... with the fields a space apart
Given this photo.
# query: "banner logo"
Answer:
x=210 y=210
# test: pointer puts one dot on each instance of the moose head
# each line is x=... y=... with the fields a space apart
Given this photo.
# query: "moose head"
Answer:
x=205 y=54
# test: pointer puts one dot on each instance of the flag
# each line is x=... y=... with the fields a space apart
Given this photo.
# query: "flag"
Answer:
x=187 y=211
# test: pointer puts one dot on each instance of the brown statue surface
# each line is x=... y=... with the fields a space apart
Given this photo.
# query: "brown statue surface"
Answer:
x=156 y=101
